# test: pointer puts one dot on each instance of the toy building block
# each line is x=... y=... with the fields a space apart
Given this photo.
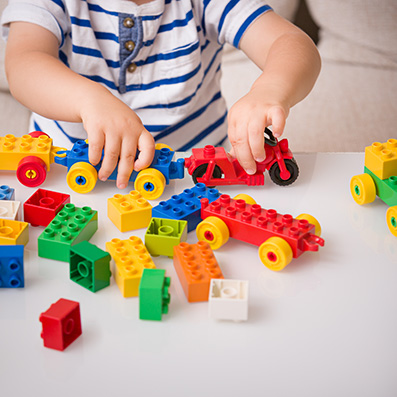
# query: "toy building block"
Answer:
x=130 y=259
x=195 y=265
x=381 y=158
x=41 y=208
x=129 y=212
x=7 y=193
x=10 y=210
x=154 y=297
x=69 y=227
x=13 y=232
x=61 y=324
x=228 y=300
x=162 y=235
x=89 y=266
x=186 y=205
x=11 y=266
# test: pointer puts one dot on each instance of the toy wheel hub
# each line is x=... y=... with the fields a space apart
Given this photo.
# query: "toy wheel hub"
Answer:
x=393 y=221
x=148 y=186
x=208 y=235
x=272 y=257
x=31 y=174
x=80 y=180
x=357 y=190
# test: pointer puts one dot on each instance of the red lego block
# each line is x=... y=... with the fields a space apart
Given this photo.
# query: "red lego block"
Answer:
x=195 y=265
x=40 y=208
x=61 y=324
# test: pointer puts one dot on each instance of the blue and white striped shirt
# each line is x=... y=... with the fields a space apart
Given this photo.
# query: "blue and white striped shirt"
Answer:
x=163 y=59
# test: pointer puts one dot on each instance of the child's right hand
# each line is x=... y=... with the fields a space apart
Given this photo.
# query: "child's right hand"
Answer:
x=111 y=125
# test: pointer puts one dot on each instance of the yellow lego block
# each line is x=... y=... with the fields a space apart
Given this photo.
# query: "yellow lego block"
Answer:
x=13 y=232
x=13 y=150
x=381 y=158
x=130 y=211
x=130 y=258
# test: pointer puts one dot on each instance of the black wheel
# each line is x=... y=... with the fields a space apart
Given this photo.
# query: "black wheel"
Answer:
x=200 y=171
x=292 y=168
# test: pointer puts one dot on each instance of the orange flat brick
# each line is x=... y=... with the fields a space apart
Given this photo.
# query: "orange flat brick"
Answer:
x=195 y=265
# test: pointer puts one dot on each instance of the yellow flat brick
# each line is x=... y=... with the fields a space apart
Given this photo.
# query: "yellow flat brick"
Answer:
x=13 y=232
x=381 y=158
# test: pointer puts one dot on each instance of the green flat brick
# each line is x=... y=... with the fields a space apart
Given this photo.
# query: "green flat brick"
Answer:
x=162 y=235
x=154 y=297
x=70 y=226
x=89 y=266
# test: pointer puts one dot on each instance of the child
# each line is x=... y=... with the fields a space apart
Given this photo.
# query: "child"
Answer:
x=125 y=72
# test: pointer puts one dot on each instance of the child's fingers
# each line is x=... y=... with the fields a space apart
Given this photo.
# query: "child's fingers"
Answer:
x=277 y=118
x=146 y=151
x=110 y=158
x=126 y=163
x=243 y=152
x=256 y=140
x=95 y=146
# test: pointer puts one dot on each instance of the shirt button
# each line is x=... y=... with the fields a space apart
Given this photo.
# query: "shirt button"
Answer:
x=129 y=45
x=131 y=67
x=128 y=22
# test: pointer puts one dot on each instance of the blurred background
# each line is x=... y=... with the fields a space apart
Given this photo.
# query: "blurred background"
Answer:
x=354 y=102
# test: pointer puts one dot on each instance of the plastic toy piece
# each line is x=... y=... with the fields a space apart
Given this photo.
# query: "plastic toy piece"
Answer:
x=43 y=205
x=379 y=179
x=130 y=258
x=228 y=300
x=195 y=265
x=69 y=227
x=186 y=205
x=154 y=297
x=13 y=232
x=11 y=266
x=30 y=156
x=162 y=235
x=130 y=211
x=7 y=193
x=61 y=324
x=10 y=210
x=279 y=237
x=214 y=167
x=150 y=182
x=89 y=266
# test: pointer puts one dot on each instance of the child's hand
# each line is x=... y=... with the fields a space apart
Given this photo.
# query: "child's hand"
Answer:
x=248 y=119
x=112 y=125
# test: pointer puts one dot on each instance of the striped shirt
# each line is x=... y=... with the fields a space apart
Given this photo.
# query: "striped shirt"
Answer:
x=163 y=59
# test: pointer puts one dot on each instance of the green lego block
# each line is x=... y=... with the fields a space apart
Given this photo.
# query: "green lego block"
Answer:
x=162 y=235
x=89 y=266
x=70 y=226
x=386 y=189
x=153 y=294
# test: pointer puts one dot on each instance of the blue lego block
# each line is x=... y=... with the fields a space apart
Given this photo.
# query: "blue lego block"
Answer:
x=186 y=205
x=11 y=266
x=7 y=193
x=162 y=162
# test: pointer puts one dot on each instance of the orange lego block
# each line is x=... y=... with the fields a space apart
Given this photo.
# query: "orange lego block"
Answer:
x=381 y=158
x=130 y=258
x=195 y=265
x=13 y=232
x=130 y=211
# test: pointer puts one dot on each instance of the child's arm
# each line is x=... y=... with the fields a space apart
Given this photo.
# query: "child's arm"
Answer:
x=40 y=81
x=290 y=65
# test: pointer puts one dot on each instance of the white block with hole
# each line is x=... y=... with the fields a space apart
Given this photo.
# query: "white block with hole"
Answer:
x=10 y=210
x=228 y=300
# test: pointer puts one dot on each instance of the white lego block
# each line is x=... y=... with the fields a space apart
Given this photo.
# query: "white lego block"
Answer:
x=10 y=210
x=228 y=300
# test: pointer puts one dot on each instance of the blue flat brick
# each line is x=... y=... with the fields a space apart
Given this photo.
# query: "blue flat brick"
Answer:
x=11 y=266
x=7 y=193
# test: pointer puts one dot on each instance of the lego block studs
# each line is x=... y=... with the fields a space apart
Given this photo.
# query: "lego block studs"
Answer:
x=7 y=193
x=381 y=158
x=89 y=266
x=11 y=266
x=61 y=324
x=228 y=300
x=195 y=265
x=154 y=297
x=13 y=232
x=129 y=212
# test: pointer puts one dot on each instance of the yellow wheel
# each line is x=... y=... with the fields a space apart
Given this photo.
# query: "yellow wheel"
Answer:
x=363 y=189
x=160 y=146
x=150 y=183
x=213 y=231
x=275 y=253
x=245 y=197
x=311 y=219
x=82 y=177
x=391 y=218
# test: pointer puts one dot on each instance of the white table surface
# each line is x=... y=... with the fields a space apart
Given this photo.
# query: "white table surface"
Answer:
x=324 y=326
